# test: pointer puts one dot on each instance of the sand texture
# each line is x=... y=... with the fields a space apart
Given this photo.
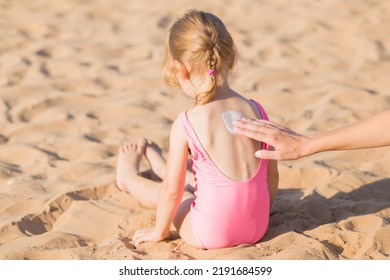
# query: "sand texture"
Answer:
x=79 y=78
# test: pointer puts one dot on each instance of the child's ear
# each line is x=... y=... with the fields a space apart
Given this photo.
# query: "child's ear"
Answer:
x=184 y=73
x=182 y=70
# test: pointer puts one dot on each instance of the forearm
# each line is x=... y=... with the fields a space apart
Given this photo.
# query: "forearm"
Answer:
x=367 y=133
x=168 y=203
x=273 y=179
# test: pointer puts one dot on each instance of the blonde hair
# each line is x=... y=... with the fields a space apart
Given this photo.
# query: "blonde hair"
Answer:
x=201 y=40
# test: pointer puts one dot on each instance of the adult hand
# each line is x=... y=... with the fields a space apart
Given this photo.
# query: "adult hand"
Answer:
x=288 y=144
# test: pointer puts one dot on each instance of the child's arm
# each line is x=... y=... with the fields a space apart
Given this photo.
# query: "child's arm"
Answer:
x=171 y=190
x=272 y=178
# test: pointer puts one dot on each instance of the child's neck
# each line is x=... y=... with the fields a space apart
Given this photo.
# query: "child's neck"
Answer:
x=223 y=90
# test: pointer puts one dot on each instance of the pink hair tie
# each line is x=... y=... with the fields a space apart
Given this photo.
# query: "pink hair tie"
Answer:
x=211 y=72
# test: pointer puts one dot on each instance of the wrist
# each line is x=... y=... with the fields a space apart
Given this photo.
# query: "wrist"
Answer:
x=162 y=232
x=309 y=145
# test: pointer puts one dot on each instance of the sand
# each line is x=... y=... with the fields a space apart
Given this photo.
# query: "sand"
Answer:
x=79 y=78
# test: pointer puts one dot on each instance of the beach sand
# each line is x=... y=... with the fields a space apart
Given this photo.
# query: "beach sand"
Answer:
x=79 y=78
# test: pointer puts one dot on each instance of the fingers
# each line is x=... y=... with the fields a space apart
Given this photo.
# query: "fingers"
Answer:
x=139 y=237
x=250 y=124
x=150 y=234
x=263 y=125
x=256 y=135
x=266 y=154
x=260 y=154
x=258 y=130
x=288 y=144
x=266 y=131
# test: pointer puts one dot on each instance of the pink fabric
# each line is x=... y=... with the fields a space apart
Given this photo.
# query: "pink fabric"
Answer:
x=225 y=212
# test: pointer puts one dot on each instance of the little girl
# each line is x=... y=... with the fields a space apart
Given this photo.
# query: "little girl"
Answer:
x=233 y=190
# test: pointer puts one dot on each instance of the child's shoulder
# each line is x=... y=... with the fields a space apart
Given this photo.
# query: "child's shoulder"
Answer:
x=196 y=111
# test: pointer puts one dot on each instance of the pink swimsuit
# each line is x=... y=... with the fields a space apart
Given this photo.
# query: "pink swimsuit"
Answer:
x=225 y=212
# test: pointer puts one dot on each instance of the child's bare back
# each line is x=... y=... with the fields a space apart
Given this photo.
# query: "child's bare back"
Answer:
x=232 y=154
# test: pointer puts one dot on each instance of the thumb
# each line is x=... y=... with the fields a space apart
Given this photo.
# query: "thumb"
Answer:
x=266 y=154
x=137 y=242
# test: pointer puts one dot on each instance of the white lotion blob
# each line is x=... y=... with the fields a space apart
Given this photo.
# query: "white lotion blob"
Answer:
x=228 y=118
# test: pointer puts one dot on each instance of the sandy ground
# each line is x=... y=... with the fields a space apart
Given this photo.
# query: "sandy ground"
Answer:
x=78 y=78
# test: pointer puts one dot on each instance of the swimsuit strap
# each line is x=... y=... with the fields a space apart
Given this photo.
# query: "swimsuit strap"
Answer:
x=187 y=127
x=261 y=110
x=264 y=116
x=192 y=139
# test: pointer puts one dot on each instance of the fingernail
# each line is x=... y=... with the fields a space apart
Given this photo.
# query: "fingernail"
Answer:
x=258 y=154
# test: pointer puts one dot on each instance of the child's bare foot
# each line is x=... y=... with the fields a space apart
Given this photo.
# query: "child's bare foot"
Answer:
x=129 y=159
x=153 y=154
